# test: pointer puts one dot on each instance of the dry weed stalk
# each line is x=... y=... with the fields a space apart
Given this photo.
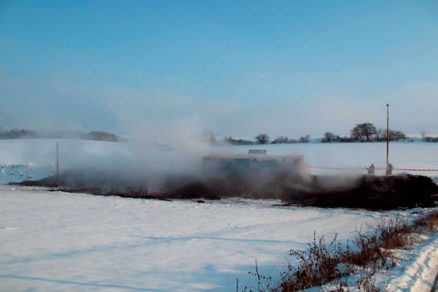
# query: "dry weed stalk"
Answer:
x=322 y=263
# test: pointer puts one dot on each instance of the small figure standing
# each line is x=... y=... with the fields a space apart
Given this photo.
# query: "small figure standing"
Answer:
x=371 y=169
x=389 y=169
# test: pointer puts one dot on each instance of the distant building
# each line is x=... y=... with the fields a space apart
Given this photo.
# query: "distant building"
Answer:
x=252 y=164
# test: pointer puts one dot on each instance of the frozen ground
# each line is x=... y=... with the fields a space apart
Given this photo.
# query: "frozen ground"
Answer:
x=415 y=155
x=59 y=241
x=19 y=172
x=40 y=154
x=417 y=272
x=79 y=242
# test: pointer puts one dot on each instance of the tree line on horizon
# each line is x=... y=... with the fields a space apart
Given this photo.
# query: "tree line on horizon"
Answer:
x=363 y=132
x=58 y=134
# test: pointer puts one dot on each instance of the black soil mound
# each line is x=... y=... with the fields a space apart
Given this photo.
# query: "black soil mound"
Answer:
x=367 y=192
x=373 y=193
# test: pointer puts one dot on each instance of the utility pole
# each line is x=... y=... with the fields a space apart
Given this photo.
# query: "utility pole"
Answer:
x=387 y=138
x=57 y=160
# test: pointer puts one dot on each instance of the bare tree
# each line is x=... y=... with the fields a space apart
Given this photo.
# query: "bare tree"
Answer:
x=396 y=135
x=393 y=135
x=380 y=134
x=262 y=138
x=280 y=140
x=304 y=139
x=423 y=134
x=330 y=137
x=364 y=132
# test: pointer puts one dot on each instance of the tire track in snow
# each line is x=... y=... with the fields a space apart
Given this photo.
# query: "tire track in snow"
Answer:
x=419 y=271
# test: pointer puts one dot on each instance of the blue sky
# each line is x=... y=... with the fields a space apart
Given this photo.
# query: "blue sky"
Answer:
x=236 y=67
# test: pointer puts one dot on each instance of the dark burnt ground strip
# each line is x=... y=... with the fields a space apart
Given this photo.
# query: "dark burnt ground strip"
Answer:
x=365 y=192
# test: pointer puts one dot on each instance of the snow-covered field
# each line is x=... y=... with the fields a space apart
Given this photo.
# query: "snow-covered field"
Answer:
x=417 y=272
x=19 y=172
x=60 y=241
x=40 y=155
x=415 y=155
x=51 y=240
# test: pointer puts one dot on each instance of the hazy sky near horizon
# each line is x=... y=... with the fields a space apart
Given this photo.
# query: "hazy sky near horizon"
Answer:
x=237 y=67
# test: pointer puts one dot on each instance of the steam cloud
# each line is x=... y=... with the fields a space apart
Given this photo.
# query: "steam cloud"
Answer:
x=146 y=158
